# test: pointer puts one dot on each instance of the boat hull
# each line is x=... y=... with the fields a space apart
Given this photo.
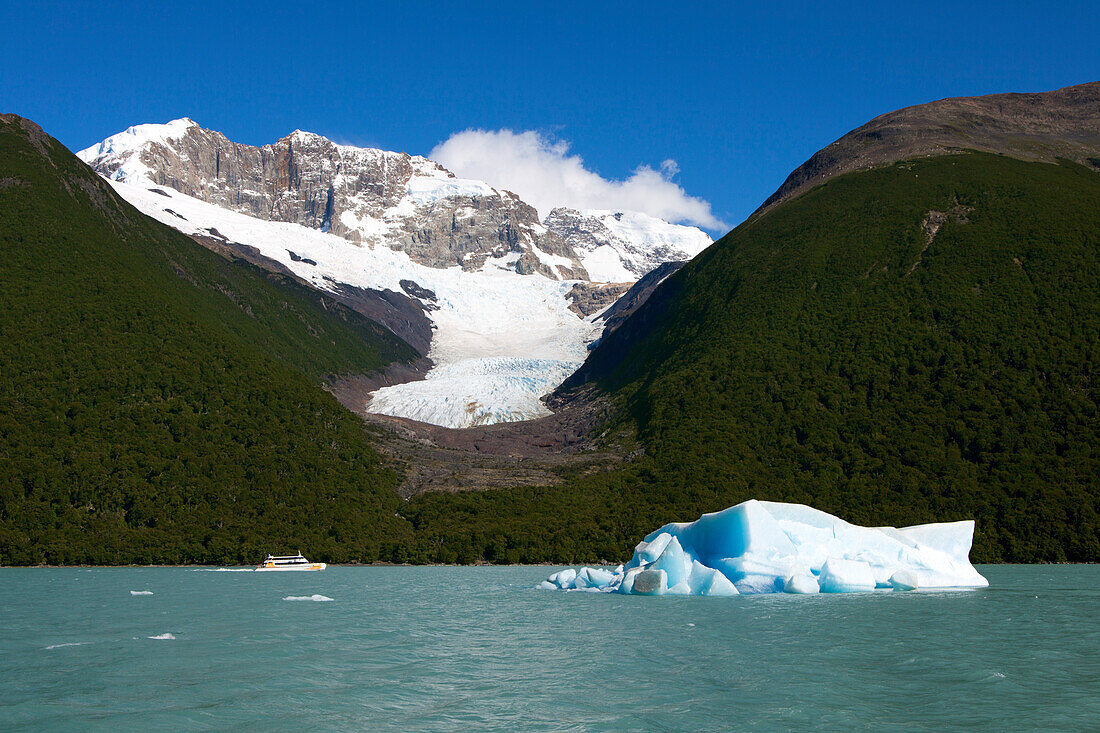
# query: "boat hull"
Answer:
x=292 y=568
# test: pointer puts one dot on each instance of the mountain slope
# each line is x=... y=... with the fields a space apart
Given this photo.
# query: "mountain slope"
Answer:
x=376 y=197
x=920 y=341
x=623 y=246
x=462 y=270
x=915 y=342
x=160 y=403
x=1064 y=123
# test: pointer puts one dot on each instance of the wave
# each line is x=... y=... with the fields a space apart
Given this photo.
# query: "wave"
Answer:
x=161 y=637
x=141 y=592
x=315 y=597
x=68 y=643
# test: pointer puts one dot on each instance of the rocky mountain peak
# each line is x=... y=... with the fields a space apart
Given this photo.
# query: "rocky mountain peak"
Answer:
x=404 y=202
x=368 y=196
x=622 y=246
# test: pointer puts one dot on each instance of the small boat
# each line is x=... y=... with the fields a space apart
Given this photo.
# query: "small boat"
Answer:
x=288 y=562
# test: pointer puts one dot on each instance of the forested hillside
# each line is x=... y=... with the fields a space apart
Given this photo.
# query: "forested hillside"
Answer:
x=915 y=343
x=159 y=403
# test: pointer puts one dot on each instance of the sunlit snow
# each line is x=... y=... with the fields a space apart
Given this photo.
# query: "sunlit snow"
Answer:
x=132 y=139
x=634 y=238
x=502 y=340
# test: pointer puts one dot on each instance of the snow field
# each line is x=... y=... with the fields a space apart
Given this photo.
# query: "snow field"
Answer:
x=502 y=340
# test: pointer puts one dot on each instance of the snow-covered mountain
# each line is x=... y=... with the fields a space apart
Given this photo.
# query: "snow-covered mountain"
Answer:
x=498 y=286
x=404 y=202
x=622 y=246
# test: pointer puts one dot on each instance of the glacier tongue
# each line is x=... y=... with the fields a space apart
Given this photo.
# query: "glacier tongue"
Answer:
x=477 y=391
x=771 y=547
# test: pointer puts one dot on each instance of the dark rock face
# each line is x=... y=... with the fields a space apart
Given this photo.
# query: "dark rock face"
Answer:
x=398 y=312
x=1064 y=123
x=588 y=298
x=623 y=331
x=637 y=295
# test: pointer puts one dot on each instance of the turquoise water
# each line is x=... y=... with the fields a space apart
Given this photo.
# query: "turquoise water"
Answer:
x=432 y=648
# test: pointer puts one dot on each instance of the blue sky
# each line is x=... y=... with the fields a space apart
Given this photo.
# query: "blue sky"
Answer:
x=736 y=94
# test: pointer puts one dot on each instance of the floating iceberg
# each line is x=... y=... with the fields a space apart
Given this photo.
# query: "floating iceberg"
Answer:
x=770 y=547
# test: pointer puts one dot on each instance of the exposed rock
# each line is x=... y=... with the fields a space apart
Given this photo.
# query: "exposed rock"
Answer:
x=933 y=222
x=534 y=452
x=401 y=314
x=588 y=298
x=407 y=203
x=353 y=390
x=426 y=297
x=294 y=257
x=618 y=246
x=1063 y=123
x=636 y=295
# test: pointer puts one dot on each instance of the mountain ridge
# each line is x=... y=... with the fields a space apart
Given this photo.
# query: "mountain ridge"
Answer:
x=1032 y=126
x=374 y=197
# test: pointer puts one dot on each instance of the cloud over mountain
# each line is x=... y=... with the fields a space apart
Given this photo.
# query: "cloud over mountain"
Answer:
x=544 y=173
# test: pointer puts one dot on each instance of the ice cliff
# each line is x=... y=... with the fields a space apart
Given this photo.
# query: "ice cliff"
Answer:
x=771 y=547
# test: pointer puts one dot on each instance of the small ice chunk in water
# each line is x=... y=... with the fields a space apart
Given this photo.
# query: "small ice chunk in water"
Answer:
x=771 y=547
x=801 y=581
x=719 y=585
x=904 y=580
x=564 y=579
x=597 y=577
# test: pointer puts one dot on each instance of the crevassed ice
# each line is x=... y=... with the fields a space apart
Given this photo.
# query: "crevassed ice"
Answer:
x=476 y=391
x=771 y=547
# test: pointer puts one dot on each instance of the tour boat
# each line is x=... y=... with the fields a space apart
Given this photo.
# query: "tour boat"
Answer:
x=288 y=562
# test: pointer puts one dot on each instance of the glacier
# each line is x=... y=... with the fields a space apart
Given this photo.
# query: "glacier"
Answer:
x=501 y=340
x=506 y=325
x=773 y=547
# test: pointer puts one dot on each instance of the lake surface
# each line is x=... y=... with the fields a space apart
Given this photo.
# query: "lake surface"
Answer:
x=446 y=648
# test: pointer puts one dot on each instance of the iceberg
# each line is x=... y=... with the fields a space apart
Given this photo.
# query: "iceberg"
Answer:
x=772 y=547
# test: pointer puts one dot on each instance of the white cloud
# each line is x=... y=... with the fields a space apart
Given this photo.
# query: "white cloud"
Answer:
x=543 y=173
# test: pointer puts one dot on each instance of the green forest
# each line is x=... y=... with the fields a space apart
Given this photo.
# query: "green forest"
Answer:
x=162 y=404
x=826 y=353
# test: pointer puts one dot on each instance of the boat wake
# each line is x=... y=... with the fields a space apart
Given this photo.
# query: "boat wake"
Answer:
x=223 y=570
